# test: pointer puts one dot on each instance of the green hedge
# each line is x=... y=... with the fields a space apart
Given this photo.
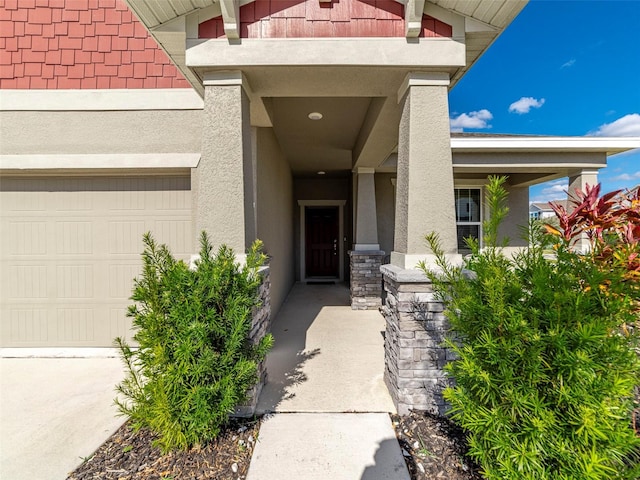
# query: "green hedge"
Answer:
x=546 y=370
x=194 y=363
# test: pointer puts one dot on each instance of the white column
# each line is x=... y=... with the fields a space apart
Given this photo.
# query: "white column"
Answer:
x=579 y=180
x=366 y=237
x=425 y=191
x=223 y=186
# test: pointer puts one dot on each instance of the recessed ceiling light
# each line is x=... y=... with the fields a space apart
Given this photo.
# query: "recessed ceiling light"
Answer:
x=321 y=172
x=315 y=116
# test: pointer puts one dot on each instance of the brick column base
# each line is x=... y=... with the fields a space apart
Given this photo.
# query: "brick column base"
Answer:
x=366 y=279
x=414 y=353
x=260 y=326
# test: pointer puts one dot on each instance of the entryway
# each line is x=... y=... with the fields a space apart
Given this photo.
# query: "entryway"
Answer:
x=322 y=230
x=327 y=357
x=322 y=240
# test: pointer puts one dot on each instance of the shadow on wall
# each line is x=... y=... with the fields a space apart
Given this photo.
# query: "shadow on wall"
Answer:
x=389 y=463
x=286 y=360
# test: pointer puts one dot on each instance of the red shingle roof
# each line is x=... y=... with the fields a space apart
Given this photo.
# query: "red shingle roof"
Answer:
x=312 y=19
x=86 y=44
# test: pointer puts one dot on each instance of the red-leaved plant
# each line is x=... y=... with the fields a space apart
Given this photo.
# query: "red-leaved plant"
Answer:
x=610 y=222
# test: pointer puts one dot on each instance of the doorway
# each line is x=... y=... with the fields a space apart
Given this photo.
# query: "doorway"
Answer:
x=322 y=242
x=322 y=247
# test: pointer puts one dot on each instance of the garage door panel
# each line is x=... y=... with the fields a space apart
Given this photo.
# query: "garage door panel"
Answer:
x=71 y=247
x=25 y=282
x=125 y=237
x=120 y=283
x=24 y=238
x=74 y=237
x=177 y=233
x=26 y=326
x=119 y=324
x=74 y=282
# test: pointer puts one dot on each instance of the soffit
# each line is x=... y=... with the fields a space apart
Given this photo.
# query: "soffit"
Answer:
x=314 y=145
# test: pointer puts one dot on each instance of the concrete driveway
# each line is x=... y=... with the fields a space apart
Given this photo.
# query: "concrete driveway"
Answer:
x=53 y=413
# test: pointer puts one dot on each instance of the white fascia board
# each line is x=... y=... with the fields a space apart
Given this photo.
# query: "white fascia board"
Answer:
x=608 y=145
x=101 y=100
x=510 y=166
x=389 y=52
x=100 y=161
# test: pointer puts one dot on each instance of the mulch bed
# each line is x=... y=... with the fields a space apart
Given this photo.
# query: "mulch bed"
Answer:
x=433 y=447
x=129 y=455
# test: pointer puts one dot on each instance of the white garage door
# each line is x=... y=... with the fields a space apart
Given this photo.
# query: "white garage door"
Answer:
x=70 y=248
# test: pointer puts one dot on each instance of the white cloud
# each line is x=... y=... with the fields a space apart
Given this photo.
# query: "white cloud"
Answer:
x=525 y=104
x=627 y=126
x=568 y=64
x=556 y=190
x=475 y=120
x=625 y=177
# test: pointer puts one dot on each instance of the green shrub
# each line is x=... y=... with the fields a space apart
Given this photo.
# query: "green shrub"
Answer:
x=194 y=363
x=545 y=372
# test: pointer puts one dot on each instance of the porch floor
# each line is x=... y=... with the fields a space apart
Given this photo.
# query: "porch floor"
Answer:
x=326 y=357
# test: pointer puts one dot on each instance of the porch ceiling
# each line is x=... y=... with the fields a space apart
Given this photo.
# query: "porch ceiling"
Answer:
x=325 y=144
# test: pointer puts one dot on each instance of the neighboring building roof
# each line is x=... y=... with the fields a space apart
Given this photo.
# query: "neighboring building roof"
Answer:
x=546 y=206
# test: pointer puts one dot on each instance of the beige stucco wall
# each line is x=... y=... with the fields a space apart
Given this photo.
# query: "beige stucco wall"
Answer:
x=385 y=207
x=87 y=132
x=275 y=213
x=222 y=184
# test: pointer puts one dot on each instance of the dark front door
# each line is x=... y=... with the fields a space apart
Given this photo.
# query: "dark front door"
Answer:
x=322 y=249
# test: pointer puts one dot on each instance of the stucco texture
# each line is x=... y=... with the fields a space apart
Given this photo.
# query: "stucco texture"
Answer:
x=275 y=213
x=385 y=209
x=93 y=132
x=425 y=175
x=218 y=182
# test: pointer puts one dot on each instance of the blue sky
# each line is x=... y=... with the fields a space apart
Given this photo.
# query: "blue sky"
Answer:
x=560 y=68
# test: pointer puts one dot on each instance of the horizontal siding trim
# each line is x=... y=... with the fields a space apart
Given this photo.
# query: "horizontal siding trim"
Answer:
x=100 y=161
x=102 y=100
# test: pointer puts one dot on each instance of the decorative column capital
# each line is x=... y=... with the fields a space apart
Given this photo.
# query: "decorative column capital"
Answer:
x=422 y=79
x=584 y=171
x=227 y=78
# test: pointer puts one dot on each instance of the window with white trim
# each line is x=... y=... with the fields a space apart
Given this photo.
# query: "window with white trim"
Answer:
x=468 y=216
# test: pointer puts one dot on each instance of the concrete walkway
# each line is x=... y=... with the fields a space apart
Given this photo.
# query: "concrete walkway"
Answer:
x=323 y=446
x=53 y=413
x=327 y=359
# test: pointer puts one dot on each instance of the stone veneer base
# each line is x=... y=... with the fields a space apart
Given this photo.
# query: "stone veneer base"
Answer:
x=260 y=326
x=414 y=352
x=366 y=279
